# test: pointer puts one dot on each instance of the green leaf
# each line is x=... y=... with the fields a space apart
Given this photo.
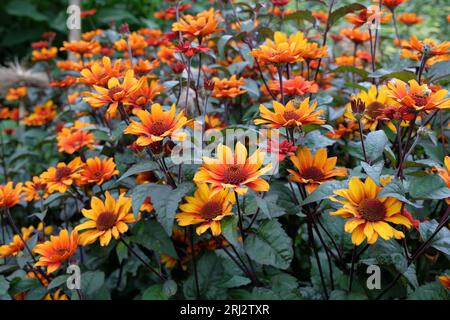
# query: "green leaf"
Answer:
x=375 y=142
x=268 y=205
x=428 y=186
x=270 y=245
x=58 y=281
x=373 y=171
x=324 y=191
x=155 y=292
x=92 y=281
x=301 y=15
x=164 y=199
x=396 y=190
x=315 y=140
x=342 y=11
x=22 y=8
x=439 y=71
x=223 y=41
x=441 y=240
x=4 y=286
x=430 y=291
x=345 y=295
x=152 y=235
x=138 y=168
x=361 y=72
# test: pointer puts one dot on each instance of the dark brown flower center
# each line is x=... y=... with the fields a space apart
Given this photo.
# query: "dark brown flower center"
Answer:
x=157 y=128
x=234 y=174
x=97 y=174
x=290 y=115
x=62 y=173
x=372 y=210
x=313 y=173
x=113 y=91
x=106 y=220
x=210 y=210
x=374 y=109
x=420 y=99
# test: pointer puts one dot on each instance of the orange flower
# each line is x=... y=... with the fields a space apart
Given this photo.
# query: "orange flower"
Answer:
x=355 y=35
x=145 y=94
x=165 y=53
x=35 y=189
x=61 y=177
x=115 y=93
x=409 y=18
x=296 y=86
x=100 y=72
x=156 y=125
x=201 y=25
x=98 y=170
x=322 y=16
x=417 y=97
x=282 y=49
x=312 y=51
x=343 y=129
x=44 y=54
x=228 y=88
x=136 y=42
x=69 y=65
x=316 y=170
x=43 y=114
x=433 y=48
x=369 y=16
x=391 y=4
x=82 y=47
x=16 y=93
x=10 y=195
x=75 y=138
x=106 y=219
x=238 y=172
x=57 y=250
x=445 y=174
x=88 y=36
x=347 y=61
x=445 y=281
x=17 y=245
x=291 y=115
x=57 y=295
x=142 y=66
x=213 y=121
x=147 y=205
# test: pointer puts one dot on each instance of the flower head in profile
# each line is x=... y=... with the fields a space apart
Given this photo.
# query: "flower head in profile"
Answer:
x=444 y=173
x=296 y=86
x=228 y=88
x=282 y=49
x=237 y=171
x=45 y=54
x=369 y=215
x=10 y=195
x=428 y=46
x=355 y=35
x=314 y=170
x=145 y=95
x=206 y=208
x=214 y=121
x=16 y=93
x=116 y=92
x=136 y=42
x=61 y=177
x=16 y=245
x=156 y=125
x=409 y=18
x=417 y=97
x=290 y=115
x=82 y=47
x=57 y=250
x=369 y=15
x=201 y=25
x=36 y=189
x=97 y=171
x=391 y=4
x=105 y=219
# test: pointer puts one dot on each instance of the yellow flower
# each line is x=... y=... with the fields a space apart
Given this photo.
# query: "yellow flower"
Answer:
x=290 y=115
x=206 y=208
x=106 y=219
x=369 y=215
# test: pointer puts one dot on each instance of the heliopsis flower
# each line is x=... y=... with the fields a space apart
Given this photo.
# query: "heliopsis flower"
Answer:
x=206 y=208
x=296 y=86
x=445 y=281
x=290 y=115
x=82 y=47
x=16 y=245
x=10 y=195
x=69 y=65
x=444 y=173
x=145 y=94
x=156 y=125
x=369 y=15
x=228 y=88
x=348 y=61
x=35 y=189
x=99 y=73
x=375 y=101
x=98 y=170
x=345 y=128
x=369 y=215
x=136 y=42
x=61 y=177
x=355 y=35
x=417 y=97
x=147 y=205
x=282 y=49
x=237 y=171
x=409 y=18
x=115 y=93
x=213 y=121
x=432 y=48
x=57 y=295
x=105 y=219
x=44 y=54
x=314 y=170
x=201 y=25
x=57 y=250
x=42 y=114
x=283 y=149
x=392 y=4
x=16 y=93
x=74 y=138
x=312 y=51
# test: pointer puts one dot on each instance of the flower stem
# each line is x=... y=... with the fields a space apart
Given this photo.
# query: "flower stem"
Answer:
x=280 y=78
x=194 y=261
x=362 y=141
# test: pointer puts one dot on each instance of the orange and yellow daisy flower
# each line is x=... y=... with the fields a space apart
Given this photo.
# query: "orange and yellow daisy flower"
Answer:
x=290 y=115
x=100 y=72
x=57 y=295
x=106 y=219
x=16 y=93
x=206 y=208
x=16 y=245
x=228 y=88
x=237 y=171
x=314 y=170
x=36 y=189
x=82 y=47
x=157 y=125
x=444 y=173
x=44 y=54
x=75 y=138
x=409 y=18
x=296 y=86
x=201 y=25
x=10 y=195
x=61 y=177
x=445 y=281
x=97 y=171
x=136 y=42
x=369 y=215
x=57 y=250
x=356 y=35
